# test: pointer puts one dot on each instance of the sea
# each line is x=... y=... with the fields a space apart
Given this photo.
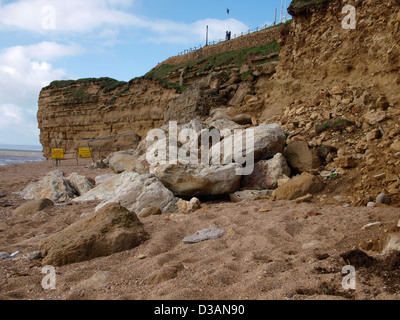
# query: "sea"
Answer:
x=16 y=154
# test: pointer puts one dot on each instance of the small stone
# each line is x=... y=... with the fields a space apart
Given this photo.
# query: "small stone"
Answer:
x=371 y=204
x=141 y=256
x=391 y=243
x=373 y=135
x=338 y=198
x=205 y=234
x=383 y=198
x=13 y=255
x=4 y=255
x=34 y=255
x=2 y=195
x=250 y=195
x=149 y=211
x=189 y=206
x=346 y=162
x=347 y=205
x=370 y=225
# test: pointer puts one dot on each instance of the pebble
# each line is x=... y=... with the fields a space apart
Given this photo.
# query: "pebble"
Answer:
x=205 y=234
x=34 y=255
x=14 y=254
x=371 y=204
x=347 y=205
x=369 y=225
x=2 y=194
x=383 y=198
x=4 y=255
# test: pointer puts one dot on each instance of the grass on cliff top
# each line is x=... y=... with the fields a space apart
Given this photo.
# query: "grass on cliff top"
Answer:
x=303 y=3
x=106 y=84
x=236 y=57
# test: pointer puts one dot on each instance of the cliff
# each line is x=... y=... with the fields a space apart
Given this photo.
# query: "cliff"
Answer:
x=317 y=52
x=96 y=108
x=287 y=67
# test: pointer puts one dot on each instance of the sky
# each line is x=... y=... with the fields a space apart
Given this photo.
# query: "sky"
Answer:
x=46 y=40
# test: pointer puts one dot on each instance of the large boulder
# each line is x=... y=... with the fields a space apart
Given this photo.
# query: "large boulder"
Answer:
x=199 y=180
x=300 y=157
x=297 y=187
x=133 y=191
x=112 y=229
x=53 y=186
x=268 y=141
x=267 y=173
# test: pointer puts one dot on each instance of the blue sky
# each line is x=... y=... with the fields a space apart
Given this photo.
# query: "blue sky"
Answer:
x=46 y=40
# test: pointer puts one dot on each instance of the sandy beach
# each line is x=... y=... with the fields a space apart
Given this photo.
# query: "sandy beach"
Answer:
x=271 y=251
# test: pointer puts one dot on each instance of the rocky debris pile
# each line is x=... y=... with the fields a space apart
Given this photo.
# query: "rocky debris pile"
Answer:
x=349 y=133
x=57 y=188
x=314 y=145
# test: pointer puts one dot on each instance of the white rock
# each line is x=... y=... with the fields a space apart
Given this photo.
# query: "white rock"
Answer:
x=200 y=180
x=392 y=243
x=80 y=183
x=205 y=234
x=102 y=178
x=53 y=186
x=268 y=141
x=370 y=225
x=132 y=191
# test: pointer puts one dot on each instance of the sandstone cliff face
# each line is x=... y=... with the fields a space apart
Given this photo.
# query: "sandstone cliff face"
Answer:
x=317 y=52
x=96 y=108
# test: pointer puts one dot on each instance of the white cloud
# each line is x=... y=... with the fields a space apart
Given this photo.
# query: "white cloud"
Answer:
x=24 y=70
x=10 y=115
x=68 y=16
x=104 y=18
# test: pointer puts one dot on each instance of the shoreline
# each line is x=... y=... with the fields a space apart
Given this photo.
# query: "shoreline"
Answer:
x=21 y=153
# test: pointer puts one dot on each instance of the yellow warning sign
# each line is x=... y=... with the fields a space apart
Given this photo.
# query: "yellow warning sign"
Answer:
x=85 y=152
x=57 y=153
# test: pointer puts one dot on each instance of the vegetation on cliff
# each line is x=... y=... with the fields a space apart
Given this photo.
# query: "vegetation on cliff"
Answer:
x=298 y=7
x=236 y=58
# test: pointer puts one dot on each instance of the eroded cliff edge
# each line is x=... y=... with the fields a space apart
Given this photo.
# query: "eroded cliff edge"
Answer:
x=95 y=108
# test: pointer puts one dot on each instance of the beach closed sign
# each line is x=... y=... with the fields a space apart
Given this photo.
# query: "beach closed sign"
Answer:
x=85 y=152
x=57 y=153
